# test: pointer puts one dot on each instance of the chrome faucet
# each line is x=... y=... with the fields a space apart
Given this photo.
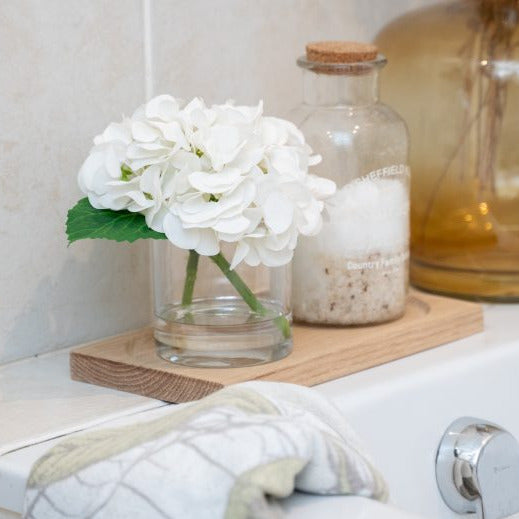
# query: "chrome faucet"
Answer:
x=477 y=469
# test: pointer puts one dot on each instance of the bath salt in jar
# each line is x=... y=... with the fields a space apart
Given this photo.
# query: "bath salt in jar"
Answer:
x=356 y=270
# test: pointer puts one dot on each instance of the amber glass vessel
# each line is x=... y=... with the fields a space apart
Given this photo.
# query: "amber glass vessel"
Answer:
x=454 y=77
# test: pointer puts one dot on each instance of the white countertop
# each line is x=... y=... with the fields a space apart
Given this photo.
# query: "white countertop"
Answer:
x=39 y=403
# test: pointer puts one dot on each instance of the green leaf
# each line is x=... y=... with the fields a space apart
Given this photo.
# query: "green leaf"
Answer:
x=85 y=221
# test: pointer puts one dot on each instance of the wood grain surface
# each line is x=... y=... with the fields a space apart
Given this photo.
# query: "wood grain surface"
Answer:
x=129 y=362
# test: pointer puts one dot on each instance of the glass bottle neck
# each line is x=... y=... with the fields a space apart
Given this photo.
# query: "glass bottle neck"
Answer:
x=340 y=89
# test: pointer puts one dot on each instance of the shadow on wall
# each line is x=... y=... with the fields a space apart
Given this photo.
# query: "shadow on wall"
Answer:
x=90 y=290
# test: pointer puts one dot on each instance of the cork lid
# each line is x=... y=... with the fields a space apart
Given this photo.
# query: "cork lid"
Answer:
x=340 y=52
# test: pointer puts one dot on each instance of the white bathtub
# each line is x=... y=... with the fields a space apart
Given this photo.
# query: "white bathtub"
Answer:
x=400 y=410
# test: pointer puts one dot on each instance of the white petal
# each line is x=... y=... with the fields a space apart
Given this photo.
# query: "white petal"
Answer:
x=248 y=157
x=117 y=132
x=173 y=132
x=149 y=181
x=321 y=187
x=144 y=132
x=222 y=144
x=112 y=164
x=138 y=202
x=168 y=182
x=232 y=115
x=196 y=210
x=207 y=244
x=95 y=201
x=252 y=259
x=89 y=170
x=215 y=182
x=278 y=212
x=310 y=220
x=155 y=218
x=199 y=117
x=242 y=249
x=197 y=206
x=254 y=215
x=298 y=193
x=183 y=159
x=179 y=184
x=116 y=203
x=295 y=136
x=149 y=148
x=196 y=103
x=273 y=133
x=313 y=160
x=271 y=258
x=286 y=161
x=236 y=225
x=283 y=257
x=163 y=107
x=277 y=242
x=177 y=235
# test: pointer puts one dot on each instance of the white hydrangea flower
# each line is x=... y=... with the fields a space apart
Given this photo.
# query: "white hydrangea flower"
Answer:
x=206 y=175
x=158 y=184
x=101 y=177
x=196 y=221
x=157 y=133
x=225 y=134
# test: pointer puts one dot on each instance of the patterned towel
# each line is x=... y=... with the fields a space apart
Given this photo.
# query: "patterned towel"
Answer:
x=225 y=456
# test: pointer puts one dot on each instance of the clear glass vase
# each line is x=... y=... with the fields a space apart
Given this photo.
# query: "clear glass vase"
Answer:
x=454 y=76
x=207 y=315
x=356 y=270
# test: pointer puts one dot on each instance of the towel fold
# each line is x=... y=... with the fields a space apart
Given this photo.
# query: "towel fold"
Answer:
x=225 y=456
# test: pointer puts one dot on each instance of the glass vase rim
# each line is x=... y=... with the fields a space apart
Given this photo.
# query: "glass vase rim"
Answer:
x=343 y=69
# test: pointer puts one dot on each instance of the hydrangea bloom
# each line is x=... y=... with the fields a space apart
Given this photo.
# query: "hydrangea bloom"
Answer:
x=205 y=175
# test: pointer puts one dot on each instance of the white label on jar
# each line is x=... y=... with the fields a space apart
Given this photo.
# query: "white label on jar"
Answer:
x=388 y=262
x=396 y=170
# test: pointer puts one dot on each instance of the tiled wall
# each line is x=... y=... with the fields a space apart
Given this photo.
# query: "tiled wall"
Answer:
x=69 y=67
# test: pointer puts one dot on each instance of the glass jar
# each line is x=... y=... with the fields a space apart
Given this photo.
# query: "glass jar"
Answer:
x=454 y=76
x=207 y=315
x=356 y=270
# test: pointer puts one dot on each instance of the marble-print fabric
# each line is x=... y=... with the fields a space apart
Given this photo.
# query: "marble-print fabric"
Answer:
x=229 y=455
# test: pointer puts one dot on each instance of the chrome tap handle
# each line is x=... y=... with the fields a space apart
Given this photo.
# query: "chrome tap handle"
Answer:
x=477 y=469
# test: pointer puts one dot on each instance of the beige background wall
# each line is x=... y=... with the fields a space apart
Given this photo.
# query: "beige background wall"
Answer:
x=68 y=67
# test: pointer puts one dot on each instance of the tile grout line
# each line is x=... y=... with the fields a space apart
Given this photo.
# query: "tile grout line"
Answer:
x=148 y=92
x=147 y=48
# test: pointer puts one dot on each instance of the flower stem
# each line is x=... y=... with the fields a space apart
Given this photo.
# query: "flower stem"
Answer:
x=247 y=294
x=189 y=284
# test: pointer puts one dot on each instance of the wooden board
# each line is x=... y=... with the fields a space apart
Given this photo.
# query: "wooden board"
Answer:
x=129 y=362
